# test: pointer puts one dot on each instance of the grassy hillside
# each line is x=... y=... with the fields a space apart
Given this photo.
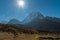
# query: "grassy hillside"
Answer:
x=10 y=32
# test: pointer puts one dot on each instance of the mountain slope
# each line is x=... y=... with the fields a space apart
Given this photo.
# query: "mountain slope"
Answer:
x=45 y=23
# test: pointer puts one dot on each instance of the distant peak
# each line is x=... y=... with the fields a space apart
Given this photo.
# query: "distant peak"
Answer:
x=33 y=16
x=36 y=14
x=14 y=21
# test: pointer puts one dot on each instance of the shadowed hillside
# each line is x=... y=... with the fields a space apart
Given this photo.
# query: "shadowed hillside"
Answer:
x=38 y=21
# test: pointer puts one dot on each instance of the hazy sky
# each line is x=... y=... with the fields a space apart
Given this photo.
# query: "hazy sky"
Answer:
x=9 y=9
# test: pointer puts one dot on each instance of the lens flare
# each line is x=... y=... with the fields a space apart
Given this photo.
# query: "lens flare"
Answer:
x=21 y=3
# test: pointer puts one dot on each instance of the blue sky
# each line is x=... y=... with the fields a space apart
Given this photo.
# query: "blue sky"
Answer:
x=10 y=10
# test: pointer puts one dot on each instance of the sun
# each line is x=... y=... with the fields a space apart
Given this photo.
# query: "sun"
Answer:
x=21 y=3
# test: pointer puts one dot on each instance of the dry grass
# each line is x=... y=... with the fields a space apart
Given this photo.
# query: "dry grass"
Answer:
x=10 y=36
